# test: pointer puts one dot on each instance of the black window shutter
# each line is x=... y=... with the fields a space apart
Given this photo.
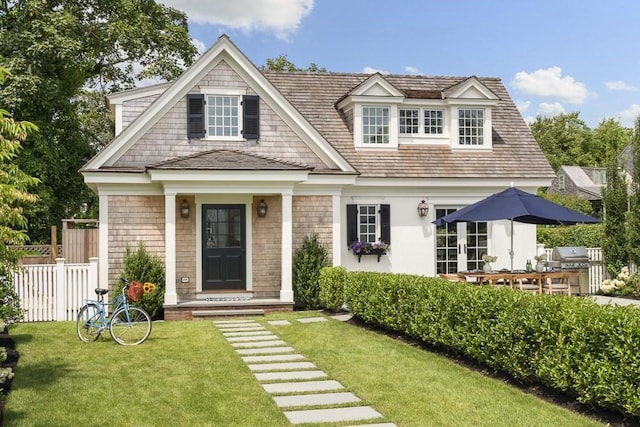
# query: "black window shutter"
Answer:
x=195 y=116
x=352 y=223
x=385 y=223
x=251 y=116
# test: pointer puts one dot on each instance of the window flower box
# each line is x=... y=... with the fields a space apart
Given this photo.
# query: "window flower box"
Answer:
x=378 y=249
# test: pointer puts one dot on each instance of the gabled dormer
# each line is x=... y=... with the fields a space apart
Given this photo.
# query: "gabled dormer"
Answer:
x=384 y=115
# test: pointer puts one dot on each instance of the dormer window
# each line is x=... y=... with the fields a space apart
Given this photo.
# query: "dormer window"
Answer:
x=223 y=118
x=375 y=124
x=471 y=126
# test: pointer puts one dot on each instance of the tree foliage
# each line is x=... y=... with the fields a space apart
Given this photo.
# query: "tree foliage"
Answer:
x=64 y=56
x=615 y=242
x=565 y=139
x=572 y=202
x=14 y=196
x=282 y=63
x=634 y=198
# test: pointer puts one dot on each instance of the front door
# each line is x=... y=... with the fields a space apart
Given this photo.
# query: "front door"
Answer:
x=223 y=247
x=459 y=246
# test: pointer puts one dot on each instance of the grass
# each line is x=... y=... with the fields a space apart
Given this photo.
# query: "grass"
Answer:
x=186 y=374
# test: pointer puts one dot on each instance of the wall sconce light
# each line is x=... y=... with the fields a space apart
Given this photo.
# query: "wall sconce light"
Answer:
x=184 y=209
x=423 y=208
x=262 y=208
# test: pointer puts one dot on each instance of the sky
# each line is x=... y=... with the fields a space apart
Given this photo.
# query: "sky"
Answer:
x=554 y=56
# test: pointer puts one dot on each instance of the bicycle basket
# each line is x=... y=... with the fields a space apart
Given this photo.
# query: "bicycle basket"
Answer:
x=135 y=291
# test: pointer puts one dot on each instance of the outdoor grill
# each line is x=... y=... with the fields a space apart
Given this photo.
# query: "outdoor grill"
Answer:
x=572 y=258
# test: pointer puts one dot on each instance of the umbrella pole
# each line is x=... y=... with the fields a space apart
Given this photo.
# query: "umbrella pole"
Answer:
x=511 y=250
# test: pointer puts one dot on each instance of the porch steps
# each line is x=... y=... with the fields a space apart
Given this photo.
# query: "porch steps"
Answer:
x=305 y=394
x=234 y=312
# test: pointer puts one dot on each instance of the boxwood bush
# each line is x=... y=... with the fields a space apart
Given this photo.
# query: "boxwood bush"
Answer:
x=568 y=343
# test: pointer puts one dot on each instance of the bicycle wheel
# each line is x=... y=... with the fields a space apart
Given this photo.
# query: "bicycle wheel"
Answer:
x=89 y=324
x=130 y=331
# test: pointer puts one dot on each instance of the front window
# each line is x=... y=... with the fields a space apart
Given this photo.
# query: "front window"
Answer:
x=367 y=223
x=409 y=121
x=375 y=125
x=223 y=114
x=433 y=122
x=471 y=126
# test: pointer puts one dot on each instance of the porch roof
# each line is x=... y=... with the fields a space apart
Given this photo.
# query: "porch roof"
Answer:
x=227 y=160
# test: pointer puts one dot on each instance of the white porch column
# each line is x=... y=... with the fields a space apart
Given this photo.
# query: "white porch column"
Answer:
x=286 y=288
x=337 y=247
x=170 y=295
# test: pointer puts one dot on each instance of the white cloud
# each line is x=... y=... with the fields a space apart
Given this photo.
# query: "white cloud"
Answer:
x=523 y=106
x=620 y=85
x=629 y=115
x=282 y=17
x=199 y=44
x=549 y=83
x=549 y=110
x=371 y=70
x=411 y=70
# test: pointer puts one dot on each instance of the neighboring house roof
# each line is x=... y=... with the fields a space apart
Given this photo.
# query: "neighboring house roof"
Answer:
x=308 y=103
x=583 y=181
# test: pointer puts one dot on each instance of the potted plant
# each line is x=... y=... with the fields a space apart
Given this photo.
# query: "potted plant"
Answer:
x=365 y=248
x=488 y=259
x=540 y=259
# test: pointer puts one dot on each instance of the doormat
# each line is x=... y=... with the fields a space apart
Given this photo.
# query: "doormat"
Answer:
x=228 y=299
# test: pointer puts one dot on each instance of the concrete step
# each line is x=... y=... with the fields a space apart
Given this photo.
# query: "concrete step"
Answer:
x=284 y=366
x=256 y=344
x=266 y=336
x=264 y=350
x=302 y=386
x=333 y=415
x=315 y=399
x=273 y=358
x=292 y=375
x=234 y=312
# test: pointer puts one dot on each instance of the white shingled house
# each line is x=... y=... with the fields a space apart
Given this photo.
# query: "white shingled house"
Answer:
x=224 y=171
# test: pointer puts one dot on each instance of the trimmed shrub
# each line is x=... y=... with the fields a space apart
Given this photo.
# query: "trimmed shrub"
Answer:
x=144 y=267
x=308 y=260
x=331 y=282
x=568 y=343
x=588 y=235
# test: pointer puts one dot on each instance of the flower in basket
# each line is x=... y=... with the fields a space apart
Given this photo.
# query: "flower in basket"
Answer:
x=489 y=259
x=359 y=248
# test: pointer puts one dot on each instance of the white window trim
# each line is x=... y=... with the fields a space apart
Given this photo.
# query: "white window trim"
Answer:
x=487 y=141
x=394 y=127
x=421 y=137
x=223 y=91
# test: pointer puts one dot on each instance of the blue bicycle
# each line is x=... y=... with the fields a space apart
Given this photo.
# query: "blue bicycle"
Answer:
x=128 y=325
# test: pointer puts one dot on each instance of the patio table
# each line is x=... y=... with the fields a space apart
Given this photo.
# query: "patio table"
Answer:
x=516 y=279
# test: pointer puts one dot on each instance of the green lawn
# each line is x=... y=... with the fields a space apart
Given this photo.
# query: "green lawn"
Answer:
x=186 y=374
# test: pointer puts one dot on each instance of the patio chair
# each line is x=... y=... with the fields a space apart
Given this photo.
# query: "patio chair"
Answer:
x=453 y=277
x=557 y=283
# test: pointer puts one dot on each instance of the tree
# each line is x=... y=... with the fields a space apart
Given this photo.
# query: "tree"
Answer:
x=65 y=55
x=14 y=195
x=572 y=202
x=565 y=139
x=615 y=243
x=634 y=197
x=282 y=63
x=609 y=139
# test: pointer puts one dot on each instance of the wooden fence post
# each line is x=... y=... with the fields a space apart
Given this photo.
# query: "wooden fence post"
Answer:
x=61 y=291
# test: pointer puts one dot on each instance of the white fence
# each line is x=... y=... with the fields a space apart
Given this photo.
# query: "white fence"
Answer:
x=55 y=291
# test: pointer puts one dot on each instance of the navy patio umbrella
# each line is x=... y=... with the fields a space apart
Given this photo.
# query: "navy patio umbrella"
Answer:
x=517 y=205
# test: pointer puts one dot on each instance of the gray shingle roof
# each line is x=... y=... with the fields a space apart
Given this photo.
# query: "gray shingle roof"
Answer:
x=515 y=152
x=227 y=160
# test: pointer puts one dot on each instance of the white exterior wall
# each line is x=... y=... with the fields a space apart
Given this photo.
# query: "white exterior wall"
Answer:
x=413 y=243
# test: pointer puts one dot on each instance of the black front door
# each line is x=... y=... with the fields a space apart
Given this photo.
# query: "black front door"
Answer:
x=223 y=247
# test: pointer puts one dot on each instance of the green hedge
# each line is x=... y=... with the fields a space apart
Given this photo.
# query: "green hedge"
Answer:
x=568 y=343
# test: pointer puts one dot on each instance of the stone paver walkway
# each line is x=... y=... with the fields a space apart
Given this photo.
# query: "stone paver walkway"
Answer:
x=306 y=394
